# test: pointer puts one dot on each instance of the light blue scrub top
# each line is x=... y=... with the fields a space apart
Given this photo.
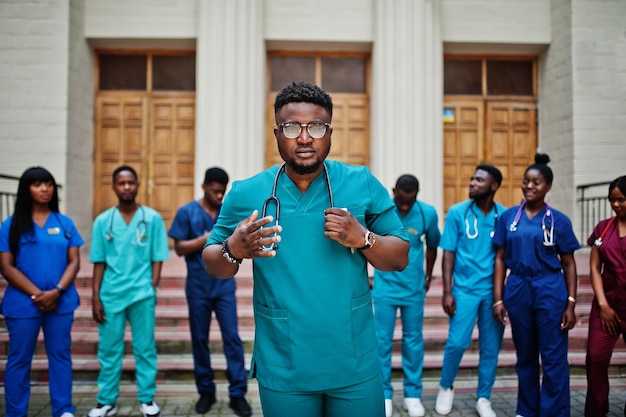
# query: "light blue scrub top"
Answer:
x=407 y=287
x=312 y=303
x=43 y=259
x=191 y=221
x=525 y=254
x=474 y=258
x=128 y=271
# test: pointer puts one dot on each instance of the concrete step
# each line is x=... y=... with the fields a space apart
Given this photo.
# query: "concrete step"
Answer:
x=173 y=339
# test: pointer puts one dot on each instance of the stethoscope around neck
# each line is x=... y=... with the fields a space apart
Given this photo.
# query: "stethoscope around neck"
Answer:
x=468 y=227
x=548 y=232
x=140 y=229
x=274 y=199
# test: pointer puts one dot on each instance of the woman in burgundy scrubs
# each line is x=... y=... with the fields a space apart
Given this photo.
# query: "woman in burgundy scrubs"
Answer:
x=607 y=320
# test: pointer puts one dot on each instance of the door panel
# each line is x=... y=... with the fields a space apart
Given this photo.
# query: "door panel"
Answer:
x=462 y=147
x=350 y=140
x=511 y=141
x=121 y=133
x=171 y=154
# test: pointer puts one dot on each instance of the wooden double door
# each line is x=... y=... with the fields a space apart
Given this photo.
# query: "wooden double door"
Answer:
x=155 y=134
x=499 y=132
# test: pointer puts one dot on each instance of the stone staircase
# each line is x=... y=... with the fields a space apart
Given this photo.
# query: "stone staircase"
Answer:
x=174 y=347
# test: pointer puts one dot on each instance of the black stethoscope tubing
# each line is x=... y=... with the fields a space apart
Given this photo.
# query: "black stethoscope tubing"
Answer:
x=142 y=223
x=274 y=199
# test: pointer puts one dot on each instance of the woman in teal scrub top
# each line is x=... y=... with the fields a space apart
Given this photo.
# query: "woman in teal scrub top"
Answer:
x=39 y=259
x=315 y=351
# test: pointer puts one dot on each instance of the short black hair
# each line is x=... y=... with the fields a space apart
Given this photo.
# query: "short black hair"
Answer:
x=303 y=92
x=492 y=170
x=124 y=168
x=541 y=165
x=217 y=175
x=408 y=183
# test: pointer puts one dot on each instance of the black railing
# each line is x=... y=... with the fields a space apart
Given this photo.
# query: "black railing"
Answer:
x=7 y=198
x=594 y=206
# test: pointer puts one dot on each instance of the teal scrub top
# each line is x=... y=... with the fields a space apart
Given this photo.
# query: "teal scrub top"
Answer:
x=128 y=252
x=407 y=287
x=314 y=326
x=467 y=232
x=42 y=257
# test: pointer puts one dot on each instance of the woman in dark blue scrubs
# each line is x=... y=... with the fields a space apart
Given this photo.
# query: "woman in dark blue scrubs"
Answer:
x=39 y=259
x=537 y=243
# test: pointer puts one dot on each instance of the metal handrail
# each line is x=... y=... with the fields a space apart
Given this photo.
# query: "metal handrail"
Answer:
x=7 y=198
x=593 y=208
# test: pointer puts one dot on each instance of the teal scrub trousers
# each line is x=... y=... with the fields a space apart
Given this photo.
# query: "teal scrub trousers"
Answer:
x=141 y=318
x=365 y=399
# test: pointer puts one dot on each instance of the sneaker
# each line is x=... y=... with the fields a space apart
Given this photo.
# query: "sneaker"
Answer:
x=102 y=410
x=483 y=407
x=205 y=403
x=414 y=407
x=388 y=408
x=150 y=409
x=240 y=406
x=67 y=414
x=445 y=398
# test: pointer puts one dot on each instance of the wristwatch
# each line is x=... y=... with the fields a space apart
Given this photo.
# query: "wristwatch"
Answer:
x=370 y=239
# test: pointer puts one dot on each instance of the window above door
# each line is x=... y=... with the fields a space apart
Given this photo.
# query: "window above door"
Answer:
x=490 y=77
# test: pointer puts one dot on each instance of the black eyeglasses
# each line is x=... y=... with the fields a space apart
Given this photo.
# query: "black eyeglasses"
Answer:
x=291 y=130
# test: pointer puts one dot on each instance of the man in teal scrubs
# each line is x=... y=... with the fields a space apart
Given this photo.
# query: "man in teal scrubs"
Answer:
x=406 y=291
x=467 y=274
x=315 y=351
x=128 y=247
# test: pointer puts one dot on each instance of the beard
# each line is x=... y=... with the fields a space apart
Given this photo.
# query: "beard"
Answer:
x=304 y=169
x=478 y=196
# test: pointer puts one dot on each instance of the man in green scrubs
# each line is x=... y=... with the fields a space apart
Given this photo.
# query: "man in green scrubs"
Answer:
x=315 y=351
x=128 y=247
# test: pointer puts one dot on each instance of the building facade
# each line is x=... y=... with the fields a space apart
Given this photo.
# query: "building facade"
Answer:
x=428 y=87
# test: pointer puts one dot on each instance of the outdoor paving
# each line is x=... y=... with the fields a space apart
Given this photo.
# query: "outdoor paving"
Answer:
x=178 y=399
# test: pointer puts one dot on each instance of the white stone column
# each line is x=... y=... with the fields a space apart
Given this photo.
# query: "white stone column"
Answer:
x=230 y=87
x=407 y=95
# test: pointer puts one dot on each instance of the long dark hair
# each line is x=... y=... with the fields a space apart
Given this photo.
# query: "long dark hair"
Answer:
x=22 y=223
